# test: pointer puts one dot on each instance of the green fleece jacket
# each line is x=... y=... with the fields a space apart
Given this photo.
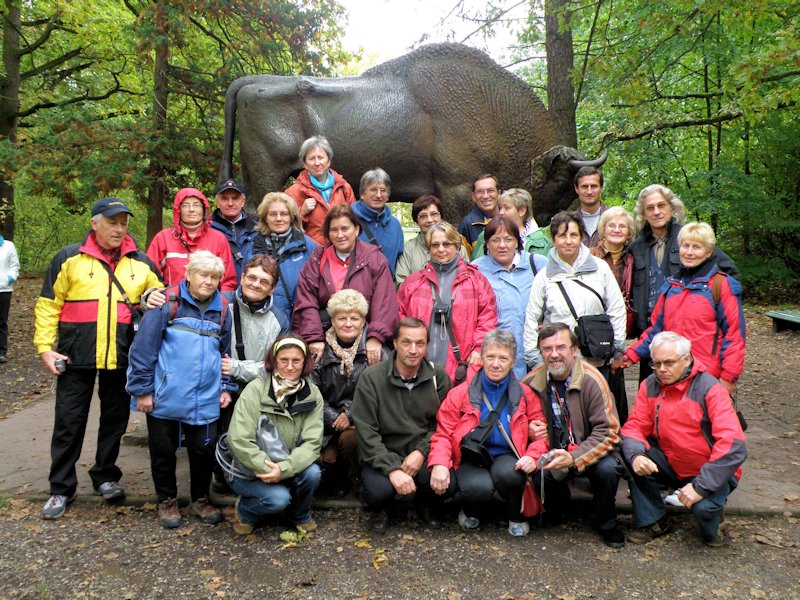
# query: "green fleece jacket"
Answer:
x=298 y=420
x=393 y=421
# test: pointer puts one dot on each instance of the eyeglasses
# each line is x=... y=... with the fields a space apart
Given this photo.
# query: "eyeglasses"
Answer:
x=502 y=241
x=378 y=190
x=661 y=206
x=486 y=192
x=262 y=282
x=277 y=215
x=433 y=215
x=614 y=226
x=445 y=245
x=657 y=364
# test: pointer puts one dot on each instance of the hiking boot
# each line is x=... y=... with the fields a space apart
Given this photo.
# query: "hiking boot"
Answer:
x=221 y=487
x=429 y=518
x=612 y=537
x=308 y=526
x=519 y=529
x=206 y=511
x=56 y=506
x=378 y=522
x=3 y=359
x=468 y=523
x=718 y=541
x=110 y=491
x=239 y=526
x=168 y=513
x=644 y=535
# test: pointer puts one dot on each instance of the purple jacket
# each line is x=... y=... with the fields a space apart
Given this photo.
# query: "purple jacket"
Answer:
x=369 y=274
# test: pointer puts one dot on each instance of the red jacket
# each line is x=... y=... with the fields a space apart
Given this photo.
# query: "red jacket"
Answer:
x=368 y=273
x=460 y=413
x=708 y=445
x=474 y=311
x=717 y=332
x=171 y=247
x=302 y=188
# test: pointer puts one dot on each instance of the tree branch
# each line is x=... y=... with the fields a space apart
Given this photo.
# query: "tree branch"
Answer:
x=50 y=64
x=30 y=48
x=722 y=118
x=586 y=54
x=78 y=99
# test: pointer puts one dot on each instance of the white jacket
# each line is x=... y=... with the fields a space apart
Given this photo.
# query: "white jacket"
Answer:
x=9 y=265
x=546 y=300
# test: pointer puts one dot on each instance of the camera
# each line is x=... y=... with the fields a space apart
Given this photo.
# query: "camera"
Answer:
x=60 y=364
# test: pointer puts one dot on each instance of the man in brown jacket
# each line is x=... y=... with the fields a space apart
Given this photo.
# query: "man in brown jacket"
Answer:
x=583 y=427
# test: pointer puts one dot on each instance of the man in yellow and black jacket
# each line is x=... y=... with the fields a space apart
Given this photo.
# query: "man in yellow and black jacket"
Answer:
x=84 y=328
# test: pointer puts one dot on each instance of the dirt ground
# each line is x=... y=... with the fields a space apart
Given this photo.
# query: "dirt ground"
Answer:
x=97 y=551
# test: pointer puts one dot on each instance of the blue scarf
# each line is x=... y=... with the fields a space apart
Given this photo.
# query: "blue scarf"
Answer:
x=325 y=188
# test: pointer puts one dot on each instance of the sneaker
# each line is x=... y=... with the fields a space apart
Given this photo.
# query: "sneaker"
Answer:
x=378 y=522
x=110 y=491
x=519 y=529
x=468 y=523
x=206 y=511
x=612 y=537
x=718 y=541
x=308 y=526
x=644 y=535
x=168 y=513
x=239 y=526
x=56 y=506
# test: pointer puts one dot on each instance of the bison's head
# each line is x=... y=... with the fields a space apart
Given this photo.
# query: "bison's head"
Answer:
x=551 y=179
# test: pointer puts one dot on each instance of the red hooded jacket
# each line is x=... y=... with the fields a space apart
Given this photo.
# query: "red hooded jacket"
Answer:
x=171 y=247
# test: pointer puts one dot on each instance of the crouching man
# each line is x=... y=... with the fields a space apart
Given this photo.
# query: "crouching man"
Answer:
x=683 y=432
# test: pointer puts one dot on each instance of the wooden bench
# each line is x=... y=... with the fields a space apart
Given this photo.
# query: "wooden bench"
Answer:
x=784 y=319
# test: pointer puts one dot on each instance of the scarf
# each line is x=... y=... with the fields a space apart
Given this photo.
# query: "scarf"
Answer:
x=324 y=187
x=274 y=242
x=345 y=355
x=283 y=388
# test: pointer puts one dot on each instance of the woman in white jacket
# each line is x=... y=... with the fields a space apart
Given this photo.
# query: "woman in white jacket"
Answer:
x=569 y=263
x=9 y=272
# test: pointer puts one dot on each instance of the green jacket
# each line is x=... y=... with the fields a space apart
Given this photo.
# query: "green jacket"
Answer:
x=393 y=421
x=300 y=426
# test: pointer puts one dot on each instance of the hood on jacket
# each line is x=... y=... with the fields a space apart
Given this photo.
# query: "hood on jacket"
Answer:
x=583 y=263
x=182 y=194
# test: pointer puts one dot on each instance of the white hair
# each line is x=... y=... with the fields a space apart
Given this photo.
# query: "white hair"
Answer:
x=682 y=345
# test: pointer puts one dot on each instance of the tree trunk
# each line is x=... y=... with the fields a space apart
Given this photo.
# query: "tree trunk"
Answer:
x=157 y=188
x=560 y=90
x=9 y=109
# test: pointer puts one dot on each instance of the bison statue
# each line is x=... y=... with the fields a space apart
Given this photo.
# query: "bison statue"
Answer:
x=433 y=119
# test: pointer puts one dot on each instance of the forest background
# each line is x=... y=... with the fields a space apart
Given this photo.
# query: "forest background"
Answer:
x=125 y=98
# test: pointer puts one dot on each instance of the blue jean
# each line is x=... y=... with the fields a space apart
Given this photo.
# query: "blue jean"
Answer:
x=259 y=500
x=648 y=507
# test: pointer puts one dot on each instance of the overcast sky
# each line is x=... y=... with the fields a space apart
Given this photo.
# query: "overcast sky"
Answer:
x=389 y=27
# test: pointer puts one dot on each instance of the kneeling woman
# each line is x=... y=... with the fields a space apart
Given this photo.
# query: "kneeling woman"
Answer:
x=293 y=406
x=493 y=395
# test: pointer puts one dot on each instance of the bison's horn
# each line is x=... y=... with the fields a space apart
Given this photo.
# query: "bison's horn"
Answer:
x=598 y=162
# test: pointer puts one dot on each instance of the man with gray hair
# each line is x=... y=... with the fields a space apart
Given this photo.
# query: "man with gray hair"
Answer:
x=683 y=432
x=89 y=303
x=378 y=225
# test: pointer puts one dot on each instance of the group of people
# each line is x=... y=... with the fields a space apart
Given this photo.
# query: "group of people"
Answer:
x=314 y=347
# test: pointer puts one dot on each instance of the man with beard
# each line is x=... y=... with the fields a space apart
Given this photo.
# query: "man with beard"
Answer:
x=583 y=428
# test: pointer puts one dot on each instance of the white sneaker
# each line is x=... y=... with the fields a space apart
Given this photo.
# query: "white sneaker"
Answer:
x=672 y=500
x=468 y=523
x=519 y=529
x=56 y=506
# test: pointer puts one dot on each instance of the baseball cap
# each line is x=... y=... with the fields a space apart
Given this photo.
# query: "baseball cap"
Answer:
x=229 y=184
x=108 y=207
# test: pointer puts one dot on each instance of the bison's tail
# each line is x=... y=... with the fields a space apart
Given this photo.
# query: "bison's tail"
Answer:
x=226 y=166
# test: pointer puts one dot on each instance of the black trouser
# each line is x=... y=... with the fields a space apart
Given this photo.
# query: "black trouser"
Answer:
x=378 y=492
x=5 y=305
x=477 y=486
x=604 y=478
x=616 y=383
x=74 y=390
x=164 y=437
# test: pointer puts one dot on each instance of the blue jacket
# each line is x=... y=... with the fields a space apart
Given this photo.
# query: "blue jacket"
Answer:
x=512 y=290
x=472 y=226
x=179 y=359
x=291 y=258
x=240 y=238
x=385 y=227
